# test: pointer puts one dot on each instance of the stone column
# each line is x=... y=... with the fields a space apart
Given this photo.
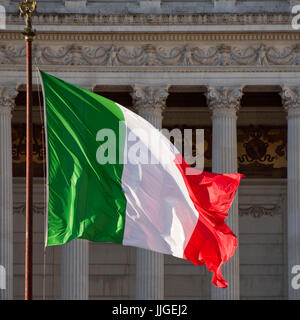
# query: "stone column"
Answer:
x=224 y=103
x=149 y=102
x=291 y=102
x=7 y=103
x=75 y=270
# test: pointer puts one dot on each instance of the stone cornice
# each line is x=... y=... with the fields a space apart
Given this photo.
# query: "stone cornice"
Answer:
x=156 y=19
x=153 y=36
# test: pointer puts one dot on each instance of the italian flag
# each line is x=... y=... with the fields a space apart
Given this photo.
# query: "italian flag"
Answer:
x=102 y=186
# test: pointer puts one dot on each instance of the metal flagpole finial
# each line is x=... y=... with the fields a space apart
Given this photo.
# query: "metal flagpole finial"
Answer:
x=28 y=9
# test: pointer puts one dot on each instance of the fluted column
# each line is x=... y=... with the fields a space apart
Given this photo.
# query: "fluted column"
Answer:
x=7 y=103
x=291 y=102
x=75 y=270
x=75 y=266
x=224 y=103
x=149 y=102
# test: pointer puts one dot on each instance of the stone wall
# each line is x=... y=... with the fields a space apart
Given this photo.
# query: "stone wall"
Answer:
x=262 y=245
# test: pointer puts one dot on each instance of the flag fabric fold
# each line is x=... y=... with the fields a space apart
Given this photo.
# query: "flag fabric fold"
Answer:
x=103 y=194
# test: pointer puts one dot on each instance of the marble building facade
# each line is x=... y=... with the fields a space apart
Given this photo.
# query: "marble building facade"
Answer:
x=228 y=67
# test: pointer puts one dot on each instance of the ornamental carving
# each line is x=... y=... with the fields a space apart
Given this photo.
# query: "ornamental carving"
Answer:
x=19 y=150
x=19 y=144
x=222 y=100
x=7 y=99
x=291 y=100
x=220 y=55
x=257 y=211
x=149 y=98
x=262 y=151
x=38 y=208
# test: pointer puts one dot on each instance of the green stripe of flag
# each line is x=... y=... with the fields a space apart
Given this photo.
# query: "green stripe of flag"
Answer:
x=86 y=199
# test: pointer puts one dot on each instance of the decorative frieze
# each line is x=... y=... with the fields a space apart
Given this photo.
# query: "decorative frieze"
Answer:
x=20 y=207
x=112 y=55
x=156 y=19
x=255 y=211
x=258 y=211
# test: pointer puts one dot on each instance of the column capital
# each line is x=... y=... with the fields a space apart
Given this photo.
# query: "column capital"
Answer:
x=290 y=96
x=145 y=96
x=149 y=100
x=7 y=99
x=224 y=100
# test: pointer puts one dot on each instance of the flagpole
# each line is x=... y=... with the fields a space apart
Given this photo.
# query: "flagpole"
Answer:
x=27 y=8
